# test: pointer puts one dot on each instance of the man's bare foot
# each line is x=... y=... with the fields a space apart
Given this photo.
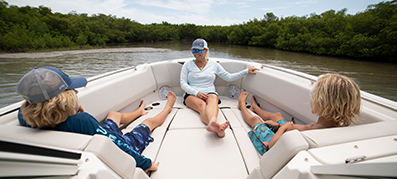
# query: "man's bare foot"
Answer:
x=213 y=126
x=219 y=129
x=141 y=108
x=170 y=100
x=223 y=127
x=242 y=99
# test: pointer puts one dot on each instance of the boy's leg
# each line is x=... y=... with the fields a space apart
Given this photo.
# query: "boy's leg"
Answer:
x=265 y=115
x=247 y=116
x=159 y=119
x=125 y=118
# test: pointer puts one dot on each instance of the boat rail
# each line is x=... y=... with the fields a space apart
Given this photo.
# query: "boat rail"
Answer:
x=110 y=73
x=9 y=111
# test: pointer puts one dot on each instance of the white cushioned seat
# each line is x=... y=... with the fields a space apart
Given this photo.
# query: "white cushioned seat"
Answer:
x=44 y=137
x=331 y=136
x=119 y=161
x=289 y=144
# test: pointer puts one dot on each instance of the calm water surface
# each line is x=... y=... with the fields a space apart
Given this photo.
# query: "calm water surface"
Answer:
x=372 y=77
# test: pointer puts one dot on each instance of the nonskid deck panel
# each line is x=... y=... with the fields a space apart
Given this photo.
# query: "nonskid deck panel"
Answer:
x=184 y=147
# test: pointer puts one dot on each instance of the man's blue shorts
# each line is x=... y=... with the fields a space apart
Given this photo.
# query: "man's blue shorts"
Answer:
x=187 y=95
x=138 y=138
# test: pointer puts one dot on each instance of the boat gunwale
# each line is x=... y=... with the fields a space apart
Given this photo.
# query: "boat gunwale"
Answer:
x=381 y=101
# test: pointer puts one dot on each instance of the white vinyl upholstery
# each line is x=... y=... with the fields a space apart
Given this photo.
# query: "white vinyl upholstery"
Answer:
x=119 y=161
x=116 y=92
x=325 y=137
x=44 y=137
x=289 y=144
x=282 y=92
x=166 y=73
x=231 y=67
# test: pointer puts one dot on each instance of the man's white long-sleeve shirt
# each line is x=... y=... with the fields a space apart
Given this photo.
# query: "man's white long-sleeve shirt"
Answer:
x=194 y=80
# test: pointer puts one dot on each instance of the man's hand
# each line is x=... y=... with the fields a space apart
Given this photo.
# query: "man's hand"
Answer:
x=252 y=69
x=202 y=96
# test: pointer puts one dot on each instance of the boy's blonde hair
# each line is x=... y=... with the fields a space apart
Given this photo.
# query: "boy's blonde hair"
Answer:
x=51 y=112
x=337 y=98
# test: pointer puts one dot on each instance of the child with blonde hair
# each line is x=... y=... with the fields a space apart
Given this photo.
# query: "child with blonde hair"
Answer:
x=336 y=99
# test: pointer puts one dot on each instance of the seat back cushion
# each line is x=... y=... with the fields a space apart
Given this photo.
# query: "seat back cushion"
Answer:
x=282 y=152
x=331 y=136
x=65 y=140
x=119 y=161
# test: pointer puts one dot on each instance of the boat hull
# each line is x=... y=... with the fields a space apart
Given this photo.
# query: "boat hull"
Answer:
x=184 y=147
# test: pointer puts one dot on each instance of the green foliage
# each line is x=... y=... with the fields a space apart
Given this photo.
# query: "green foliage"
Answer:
x=369 y=34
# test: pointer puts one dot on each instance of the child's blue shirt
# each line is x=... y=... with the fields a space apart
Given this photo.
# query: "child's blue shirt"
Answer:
x=84 y=123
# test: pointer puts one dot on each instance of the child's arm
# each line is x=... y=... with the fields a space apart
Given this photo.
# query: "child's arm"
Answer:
x=298 y=127
x=279 y=133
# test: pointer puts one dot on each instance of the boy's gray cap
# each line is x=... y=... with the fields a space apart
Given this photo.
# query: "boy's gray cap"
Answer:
x=42 y=84
x=199 y=44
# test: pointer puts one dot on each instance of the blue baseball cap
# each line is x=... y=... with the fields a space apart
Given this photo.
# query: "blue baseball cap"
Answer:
x=42 y=84
x=199 y=44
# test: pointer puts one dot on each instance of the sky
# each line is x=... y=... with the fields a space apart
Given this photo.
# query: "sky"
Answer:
x=203 y=12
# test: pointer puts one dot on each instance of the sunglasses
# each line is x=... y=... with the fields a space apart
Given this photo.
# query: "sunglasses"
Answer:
x=197 y=50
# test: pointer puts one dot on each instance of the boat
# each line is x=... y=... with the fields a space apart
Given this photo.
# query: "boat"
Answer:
x=183 y=146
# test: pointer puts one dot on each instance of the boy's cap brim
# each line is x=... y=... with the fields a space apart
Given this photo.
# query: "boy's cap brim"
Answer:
x=77 y=83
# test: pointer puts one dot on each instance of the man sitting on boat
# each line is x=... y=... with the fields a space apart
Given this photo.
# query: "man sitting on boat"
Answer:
x=197 y=80
x=52 y=103
x=335 y=99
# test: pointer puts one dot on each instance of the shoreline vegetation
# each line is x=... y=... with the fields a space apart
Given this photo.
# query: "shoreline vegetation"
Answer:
x=367 y=35
x=56 y=52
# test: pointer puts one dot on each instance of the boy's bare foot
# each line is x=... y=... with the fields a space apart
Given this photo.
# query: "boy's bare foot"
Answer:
x=170 y=100
x=141 y=108
x=254 y=104
x=242 y=99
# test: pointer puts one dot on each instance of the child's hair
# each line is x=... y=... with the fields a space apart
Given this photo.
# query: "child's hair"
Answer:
x=51 y=112
x=336 y=98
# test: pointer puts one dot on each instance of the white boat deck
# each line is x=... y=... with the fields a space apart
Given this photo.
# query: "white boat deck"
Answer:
x=184 y=147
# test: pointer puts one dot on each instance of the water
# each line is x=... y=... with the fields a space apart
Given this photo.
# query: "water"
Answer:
x=372 y=77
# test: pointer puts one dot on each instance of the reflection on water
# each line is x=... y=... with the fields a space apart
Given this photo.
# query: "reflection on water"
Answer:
x=376 y=78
